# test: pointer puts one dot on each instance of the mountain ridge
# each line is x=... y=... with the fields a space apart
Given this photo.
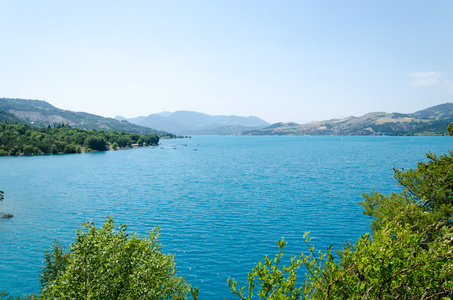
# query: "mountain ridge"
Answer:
x=429 y=121
x=195 y=123
x=42 y=113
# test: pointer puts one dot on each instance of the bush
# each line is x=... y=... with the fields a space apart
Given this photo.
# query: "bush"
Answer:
x=408 y=255
x=108 y=263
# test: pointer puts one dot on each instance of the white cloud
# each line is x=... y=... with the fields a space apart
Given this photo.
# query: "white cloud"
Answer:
x=431 y=78
x=426 y=78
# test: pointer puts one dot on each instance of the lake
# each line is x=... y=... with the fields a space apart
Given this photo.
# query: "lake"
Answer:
x=221 y=208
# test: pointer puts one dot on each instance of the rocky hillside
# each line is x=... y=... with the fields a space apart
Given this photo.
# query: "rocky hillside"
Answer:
x=430 y=121
x=41 y=113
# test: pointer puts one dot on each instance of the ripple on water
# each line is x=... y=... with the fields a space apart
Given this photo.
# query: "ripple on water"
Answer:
x=220 y=208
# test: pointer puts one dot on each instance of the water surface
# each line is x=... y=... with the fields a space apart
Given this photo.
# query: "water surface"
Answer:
x=220 y=208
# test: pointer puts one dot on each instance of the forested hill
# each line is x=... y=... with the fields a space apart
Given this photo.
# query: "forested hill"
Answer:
x=22 y=139
x=431 y=121
x=41 y=113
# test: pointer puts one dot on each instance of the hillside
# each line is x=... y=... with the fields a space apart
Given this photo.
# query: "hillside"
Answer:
x=192 y=123
x=41 y=113
x=23 y=139
x=431 y=121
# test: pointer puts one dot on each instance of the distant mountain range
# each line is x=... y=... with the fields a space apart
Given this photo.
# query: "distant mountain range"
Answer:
x=195 y=123
x=430 y=121
x=41 y=113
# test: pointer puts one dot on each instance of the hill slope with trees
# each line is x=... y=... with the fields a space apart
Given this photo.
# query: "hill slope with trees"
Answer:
x=40 y=113
x=17 y=139
x=430 y=121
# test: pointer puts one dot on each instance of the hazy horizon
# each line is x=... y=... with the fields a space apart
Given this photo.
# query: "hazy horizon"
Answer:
x=292 y=61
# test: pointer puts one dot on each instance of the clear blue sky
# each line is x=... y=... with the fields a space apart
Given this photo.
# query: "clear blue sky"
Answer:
x=279 y=60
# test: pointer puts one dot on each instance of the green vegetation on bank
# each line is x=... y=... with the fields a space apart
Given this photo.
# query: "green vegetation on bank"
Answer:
x=41 y=113
x=17 y=139
x=407 y=255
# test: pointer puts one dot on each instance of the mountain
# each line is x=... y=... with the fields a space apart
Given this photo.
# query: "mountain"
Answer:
x=431 y=121
x=193 y=123
x=41 y=113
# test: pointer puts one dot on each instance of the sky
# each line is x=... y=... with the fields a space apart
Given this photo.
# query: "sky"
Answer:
x=282 y=61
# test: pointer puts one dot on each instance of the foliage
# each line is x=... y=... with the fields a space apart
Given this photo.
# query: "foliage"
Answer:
x=5 y=295
x=427 y=196
x=408 y=254
x=275 y=282
x=395 y=262
x=194 y=292
x=108 y=263
x=56 y=260
x=21 y=138
x=8 y=117
x=96 y=143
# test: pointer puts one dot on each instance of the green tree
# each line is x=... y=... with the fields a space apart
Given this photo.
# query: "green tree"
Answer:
x=275 y=282
x=408 y=254
x=427 y=195
x=54 y=149
x=37 y=151
x=97 y=143
x=108 y=263
x=151 y=139
x=4 y=295
x=28 y=150
x=69 y=148
x=124 y=141
x=56 y=260
x=18 y=138
x=14 y=150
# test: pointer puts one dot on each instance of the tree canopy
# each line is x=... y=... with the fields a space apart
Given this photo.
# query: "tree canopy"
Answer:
x=21 y=138
x=108 y=263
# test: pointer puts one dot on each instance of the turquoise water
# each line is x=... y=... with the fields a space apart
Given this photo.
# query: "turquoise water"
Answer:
x=220 y=208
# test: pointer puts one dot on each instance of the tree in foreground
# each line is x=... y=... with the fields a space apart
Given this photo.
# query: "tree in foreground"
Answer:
x=108 y=263
x=407 y=255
